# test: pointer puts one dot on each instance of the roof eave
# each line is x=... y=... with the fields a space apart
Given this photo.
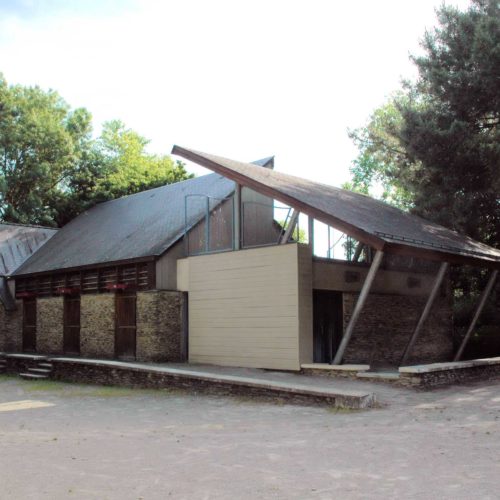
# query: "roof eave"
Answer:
x=441 y=256
x=147 y=258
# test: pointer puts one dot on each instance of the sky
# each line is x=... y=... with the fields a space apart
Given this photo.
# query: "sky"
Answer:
x=243 y=79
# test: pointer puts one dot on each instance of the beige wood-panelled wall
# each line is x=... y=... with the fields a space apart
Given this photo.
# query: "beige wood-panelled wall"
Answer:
x=244 y=307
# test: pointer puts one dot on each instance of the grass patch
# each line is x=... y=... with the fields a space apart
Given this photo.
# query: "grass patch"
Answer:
x=6 y=377
x=44 y=385
x=67 y=389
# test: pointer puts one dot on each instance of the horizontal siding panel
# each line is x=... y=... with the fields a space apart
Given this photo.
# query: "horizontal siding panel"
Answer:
x=212 y=321
x=248 y=274
x=247 y=351
x=254 y=294
x=245 y=342
x=278 y=364
x=235 y=333
x=234 y=310
x=255 y=283
x=246 y=258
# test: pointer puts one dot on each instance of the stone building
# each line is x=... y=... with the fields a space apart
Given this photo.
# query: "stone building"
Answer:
x=202 y=271
x=17 y=243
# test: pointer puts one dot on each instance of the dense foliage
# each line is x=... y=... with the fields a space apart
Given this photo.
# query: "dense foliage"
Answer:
x=51 y=168
x=434 y=148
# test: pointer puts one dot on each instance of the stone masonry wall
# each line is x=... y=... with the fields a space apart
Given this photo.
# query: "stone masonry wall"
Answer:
x=386 y=324
x=11 y=328
x=49 y=325
x=159 y=326
x=97 y=326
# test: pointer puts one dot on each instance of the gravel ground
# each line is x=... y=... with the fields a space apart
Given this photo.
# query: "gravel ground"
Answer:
x=68 y=441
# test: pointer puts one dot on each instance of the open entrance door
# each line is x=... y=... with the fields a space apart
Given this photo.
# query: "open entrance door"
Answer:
x=29 y=325
x=125 y=327
x=327 y=324
x=72 y=325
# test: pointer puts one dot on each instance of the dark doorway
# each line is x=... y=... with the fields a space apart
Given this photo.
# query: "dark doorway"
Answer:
x=125 y=327
x=29 y=325
x=327 y=324
x=71 y=325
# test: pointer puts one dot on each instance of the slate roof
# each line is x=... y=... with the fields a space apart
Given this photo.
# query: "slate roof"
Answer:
x=366 y=219
x=18 y=242
x=132 y=227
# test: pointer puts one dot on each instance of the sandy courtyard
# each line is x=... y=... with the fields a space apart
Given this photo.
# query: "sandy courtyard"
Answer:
x=67 y=441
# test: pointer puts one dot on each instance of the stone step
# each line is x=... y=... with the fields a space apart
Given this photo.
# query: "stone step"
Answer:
x=45 y=365
x=33 y=376
x=42 y=371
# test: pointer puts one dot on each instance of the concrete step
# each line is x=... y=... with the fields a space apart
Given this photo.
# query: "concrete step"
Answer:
x=41 y=371
x=33 y=376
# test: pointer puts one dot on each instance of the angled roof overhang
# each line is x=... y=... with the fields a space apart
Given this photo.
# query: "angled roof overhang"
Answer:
x=370 y=221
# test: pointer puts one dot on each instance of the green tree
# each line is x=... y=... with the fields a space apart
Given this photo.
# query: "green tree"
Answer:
x=376 y=170
x=41 y=143
x=130 y=168
x=117 y=164
x=51 y=169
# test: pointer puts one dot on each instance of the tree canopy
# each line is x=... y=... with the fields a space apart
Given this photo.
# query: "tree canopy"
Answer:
x=434 y=147
x=51 y=168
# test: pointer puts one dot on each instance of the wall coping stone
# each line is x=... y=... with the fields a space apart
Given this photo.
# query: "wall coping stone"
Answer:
x=34 y=357
x=379 y=375
x=452 y=365
x=340 y=368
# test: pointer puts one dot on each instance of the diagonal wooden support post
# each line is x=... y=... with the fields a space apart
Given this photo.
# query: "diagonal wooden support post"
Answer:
x=479 y=310
x=358 y=307
x=425 y=312
x=290 y=228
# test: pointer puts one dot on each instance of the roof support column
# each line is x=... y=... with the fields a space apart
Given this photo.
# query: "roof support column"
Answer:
x=359 y=306
x=357 y=252
x=479 y=309
x=310 y=233
x=237 y=218
x=207 y=226
x=425 y=313
x=290 y=228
